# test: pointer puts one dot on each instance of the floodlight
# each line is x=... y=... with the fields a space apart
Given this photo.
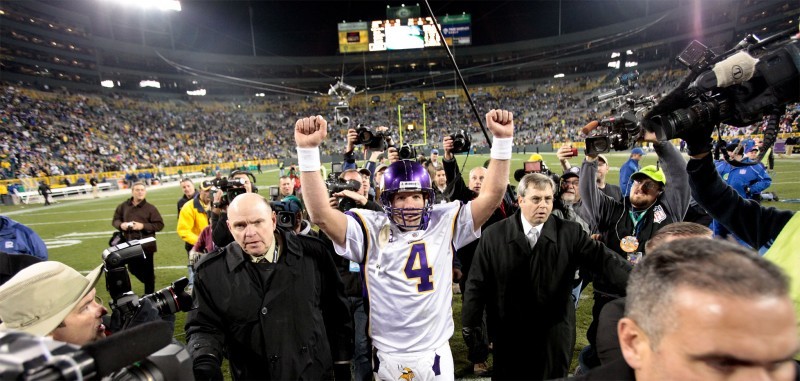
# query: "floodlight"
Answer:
x=198 y=93
x=107 y=83
x=559 y=75
x=164 y=5
x=150 y=83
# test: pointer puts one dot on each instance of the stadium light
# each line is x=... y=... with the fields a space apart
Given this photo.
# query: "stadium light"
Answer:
x=107 y=83
x=164 y=5
x=559 y=75
x=614 y=64
x=197 y=93
x=150 y=83
x=614 y=54
x=260 y=95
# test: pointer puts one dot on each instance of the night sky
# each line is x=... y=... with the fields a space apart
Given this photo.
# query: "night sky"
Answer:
x=308 y=28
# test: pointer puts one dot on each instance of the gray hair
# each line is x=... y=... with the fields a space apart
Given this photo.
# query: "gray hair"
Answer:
x=712 y=266
x=535 y=181
x=677 y=230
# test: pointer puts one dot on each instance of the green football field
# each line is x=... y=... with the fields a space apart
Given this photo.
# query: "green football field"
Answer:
x=77 y=230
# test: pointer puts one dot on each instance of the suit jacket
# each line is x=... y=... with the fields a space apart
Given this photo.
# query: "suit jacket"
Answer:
x=529 y=290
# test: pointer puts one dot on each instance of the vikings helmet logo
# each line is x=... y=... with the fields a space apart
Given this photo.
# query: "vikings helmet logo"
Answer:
x=408 y=374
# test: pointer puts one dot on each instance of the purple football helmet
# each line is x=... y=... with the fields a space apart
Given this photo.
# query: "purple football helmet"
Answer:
x=407 y=176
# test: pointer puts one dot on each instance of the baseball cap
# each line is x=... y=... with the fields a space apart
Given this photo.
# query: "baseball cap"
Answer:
x=206 y=185
x=38 y=298
x=293 y=204
x=434 y=151
x=636 y=151
x=381 y=167
x=603 y=158
x=365 y=172
x=652 y=172
x=754 y=148
x=535 y=157
x=731 y=147
x=570 y=174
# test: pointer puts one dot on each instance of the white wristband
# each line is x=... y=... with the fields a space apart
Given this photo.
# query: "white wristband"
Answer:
x=502 y=148
x=308 y=159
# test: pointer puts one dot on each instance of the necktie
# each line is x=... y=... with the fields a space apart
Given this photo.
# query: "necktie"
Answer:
x=533 y=235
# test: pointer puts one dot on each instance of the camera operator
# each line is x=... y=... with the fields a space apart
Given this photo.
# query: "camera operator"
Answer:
x=52 y=299
x=657 y=198
x=138 y=219
x=192 y=219
x=301 y=226
x=271 y=302
x=360 y=197
x=219 y=217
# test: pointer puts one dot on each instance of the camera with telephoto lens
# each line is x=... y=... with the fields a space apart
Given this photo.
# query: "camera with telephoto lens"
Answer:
x=407 y=152
x=167 y=301
x=619 y=132
x=336 y=185
x=461 y=142
x=286 y=219
x=232 y=187
x=375 y=140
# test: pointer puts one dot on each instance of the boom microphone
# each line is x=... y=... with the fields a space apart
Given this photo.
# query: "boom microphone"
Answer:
x=734 y=70
x=589 y=127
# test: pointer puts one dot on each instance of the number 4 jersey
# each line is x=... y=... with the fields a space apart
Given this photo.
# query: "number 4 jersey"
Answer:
x=408 y=274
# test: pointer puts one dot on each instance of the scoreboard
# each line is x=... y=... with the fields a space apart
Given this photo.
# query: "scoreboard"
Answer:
x=398 y=34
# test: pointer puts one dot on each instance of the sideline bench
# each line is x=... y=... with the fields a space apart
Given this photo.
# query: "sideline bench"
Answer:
x=28 y=197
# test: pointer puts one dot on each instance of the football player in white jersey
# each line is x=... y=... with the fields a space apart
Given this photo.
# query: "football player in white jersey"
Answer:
x=406 y=253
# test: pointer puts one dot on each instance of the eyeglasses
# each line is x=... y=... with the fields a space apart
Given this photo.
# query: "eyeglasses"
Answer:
x=573 y=183
x=646 y=185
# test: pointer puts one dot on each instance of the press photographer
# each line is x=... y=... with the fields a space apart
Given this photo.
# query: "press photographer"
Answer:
x=50 y=299
x=289 y=216
x=239 y=182
x=348 y=191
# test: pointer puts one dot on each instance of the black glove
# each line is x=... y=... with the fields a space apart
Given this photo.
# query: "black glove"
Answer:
x=341 y=371
x=478 y=350
x=206 y=367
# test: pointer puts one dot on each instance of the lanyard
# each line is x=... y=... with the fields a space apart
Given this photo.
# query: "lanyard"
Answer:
x=636 y=218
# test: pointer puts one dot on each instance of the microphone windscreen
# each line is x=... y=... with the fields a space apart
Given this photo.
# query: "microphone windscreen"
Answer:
x=589 y=127
x=128 y=346
x=519 y=174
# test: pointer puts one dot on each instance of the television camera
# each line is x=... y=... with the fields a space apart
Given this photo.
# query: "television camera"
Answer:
x=231 y=187
x=148 y=347
x=739 y=87
x=167 y=301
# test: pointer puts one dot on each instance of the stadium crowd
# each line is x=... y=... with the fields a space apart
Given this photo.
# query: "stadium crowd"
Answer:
x=60 y=133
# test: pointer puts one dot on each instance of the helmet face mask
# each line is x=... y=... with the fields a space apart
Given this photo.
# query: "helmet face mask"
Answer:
x=406 y=176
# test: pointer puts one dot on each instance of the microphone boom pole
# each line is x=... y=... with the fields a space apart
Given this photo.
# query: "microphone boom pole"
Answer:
x=458 y=73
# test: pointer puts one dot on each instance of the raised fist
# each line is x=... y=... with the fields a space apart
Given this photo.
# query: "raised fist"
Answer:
x=310 y=132
x=500 y=123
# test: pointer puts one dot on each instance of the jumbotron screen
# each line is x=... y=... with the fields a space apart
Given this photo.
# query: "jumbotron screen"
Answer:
x=397 y=34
